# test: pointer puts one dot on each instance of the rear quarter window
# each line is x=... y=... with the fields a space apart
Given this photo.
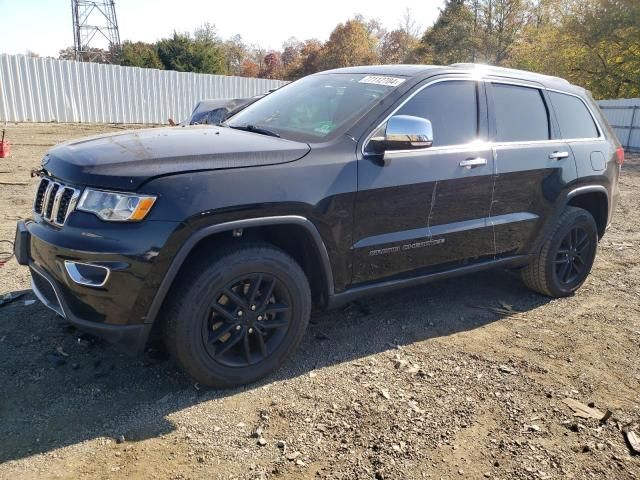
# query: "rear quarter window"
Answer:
x=574 y=117
x=521 y=114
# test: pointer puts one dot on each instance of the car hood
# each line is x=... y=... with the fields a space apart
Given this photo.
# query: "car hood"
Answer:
x=126 y=160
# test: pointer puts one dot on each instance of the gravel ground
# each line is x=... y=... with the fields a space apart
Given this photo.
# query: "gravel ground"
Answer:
x=463 y=378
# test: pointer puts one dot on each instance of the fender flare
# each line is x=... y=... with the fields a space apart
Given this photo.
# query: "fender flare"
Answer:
x=574 y=192
x=587 y=189
x=205 y=232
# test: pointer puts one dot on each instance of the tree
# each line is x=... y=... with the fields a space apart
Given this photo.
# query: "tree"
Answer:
x=206 y=32
x=300 y=59
x=350 y=44
x=235 y=52
x=396 y=46
x=256 y=53
x=450 y=39
x=291 y=52
x=139 y=54
x=249 y=68
x=409 y=25
x=593 y=43
x=96 y=55
x=183 y=53
x=501 y=22
x=271 y=66
x=310 y=54
x=606 y=46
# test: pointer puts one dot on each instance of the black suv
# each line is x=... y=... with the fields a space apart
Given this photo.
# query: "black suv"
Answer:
x=351 y=182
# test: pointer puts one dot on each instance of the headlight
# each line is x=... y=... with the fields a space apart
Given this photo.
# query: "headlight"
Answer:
x=116 y=207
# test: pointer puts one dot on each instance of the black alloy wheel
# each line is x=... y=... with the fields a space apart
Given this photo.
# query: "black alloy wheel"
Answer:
x=566 y=256
x=236 y=314
x=573 y=256
x=248 y=320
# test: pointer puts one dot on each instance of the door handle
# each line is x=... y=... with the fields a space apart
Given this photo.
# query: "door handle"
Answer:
x=473 y=162
x=558 y=155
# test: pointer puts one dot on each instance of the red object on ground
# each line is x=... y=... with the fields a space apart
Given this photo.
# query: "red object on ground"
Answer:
x=5 y=149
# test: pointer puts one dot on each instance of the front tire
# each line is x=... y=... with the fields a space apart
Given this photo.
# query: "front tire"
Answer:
x=237 y=316
x=566 y=257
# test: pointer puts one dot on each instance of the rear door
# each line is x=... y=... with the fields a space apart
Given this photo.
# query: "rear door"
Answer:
x=533 y=163
x=423 y=210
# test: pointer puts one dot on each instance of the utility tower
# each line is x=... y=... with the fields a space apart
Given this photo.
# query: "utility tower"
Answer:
x=95 y=28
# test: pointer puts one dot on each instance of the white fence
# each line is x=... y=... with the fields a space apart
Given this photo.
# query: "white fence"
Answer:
x=624 y=116
x=49 y=90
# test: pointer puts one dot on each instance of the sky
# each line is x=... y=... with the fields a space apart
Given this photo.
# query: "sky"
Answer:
x=45 y=26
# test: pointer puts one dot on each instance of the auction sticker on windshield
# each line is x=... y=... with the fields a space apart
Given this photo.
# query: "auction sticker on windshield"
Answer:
x=382 y=80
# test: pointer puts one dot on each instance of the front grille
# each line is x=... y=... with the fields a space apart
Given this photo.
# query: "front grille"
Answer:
x=42 y=187
x=51 y=199
x=55 y=201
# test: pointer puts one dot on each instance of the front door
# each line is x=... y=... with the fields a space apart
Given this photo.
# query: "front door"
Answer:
x=428 y=209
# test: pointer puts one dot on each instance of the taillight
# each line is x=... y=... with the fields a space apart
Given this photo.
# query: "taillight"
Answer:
x=620 y=156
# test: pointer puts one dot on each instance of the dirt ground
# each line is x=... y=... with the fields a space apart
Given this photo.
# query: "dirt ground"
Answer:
x=439 y=381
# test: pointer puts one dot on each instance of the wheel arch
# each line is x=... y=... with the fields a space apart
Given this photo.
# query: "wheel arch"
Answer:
x=595 y=200
x=256 y=228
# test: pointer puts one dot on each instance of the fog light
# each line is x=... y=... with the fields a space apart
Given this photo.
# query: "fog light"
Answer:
x=87 y=274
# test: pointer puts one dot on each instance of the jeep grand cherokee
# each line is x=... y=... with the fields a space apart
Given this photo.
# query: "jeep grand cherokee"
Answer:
x=350 y=182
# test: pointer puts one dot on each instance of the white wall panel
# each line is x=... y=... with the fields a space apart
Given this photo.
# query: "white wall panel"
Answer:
x=624 y=116
x=50 y=90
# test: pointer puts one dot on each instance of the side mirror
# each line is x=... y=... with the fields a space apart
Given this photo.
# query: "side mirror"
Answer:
x=404 y=132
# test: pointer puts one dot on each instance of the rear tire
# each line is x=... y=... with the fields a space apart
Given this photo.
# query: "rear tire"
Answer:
x=566 y=257
x=235 y=317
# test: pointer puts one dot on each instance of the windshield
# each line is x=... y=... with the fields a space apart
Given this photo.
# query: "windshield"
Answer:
x=313 y=108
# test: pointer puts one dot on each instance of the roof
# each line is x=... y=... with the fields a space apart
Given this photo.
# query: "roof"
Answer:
x=425 y=70
x=510 y=72
x=400 y=70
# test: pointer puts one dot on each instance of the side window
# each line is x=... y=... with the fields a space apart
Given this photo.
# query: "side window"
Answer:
x=573 y=116
x=452 y=108
x=521 y=114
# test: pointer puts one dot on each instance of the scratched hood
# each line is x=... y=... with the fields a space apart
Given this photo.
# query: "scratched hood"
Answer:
x=126 y=160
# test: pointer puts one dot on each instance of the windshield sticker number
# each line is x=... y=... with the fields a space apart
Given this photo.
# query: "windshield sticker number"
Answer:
x=382 y=80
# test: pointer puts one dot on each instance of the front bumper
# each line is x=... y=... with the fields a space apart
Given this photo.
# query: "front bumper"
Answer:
x=131 y=337
x=116 y=310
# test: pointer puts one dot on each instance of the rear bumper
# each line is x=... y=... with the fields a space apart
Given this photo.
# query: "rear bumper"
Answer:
x=114 y=310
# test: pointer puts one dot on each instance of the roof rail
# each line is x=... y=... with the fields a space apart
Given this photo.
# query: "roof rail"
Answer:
x=508 y=71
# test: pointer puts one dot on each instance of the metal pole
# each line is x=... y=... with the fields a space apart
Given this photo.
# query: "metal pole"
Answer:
x=633 y=121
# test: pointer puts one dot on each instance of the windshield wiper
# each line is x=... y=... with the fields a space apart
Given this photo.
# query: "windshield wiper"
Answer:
x=254 y=129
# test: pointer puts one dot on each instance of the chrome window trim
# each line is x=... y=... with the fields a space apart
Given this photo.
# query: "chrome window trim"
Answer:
x=466 y=147
x=77 y=277
x=533 y=83
x=528 y=142
x=593 y=117
x=472 y=146
x=463 y=77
